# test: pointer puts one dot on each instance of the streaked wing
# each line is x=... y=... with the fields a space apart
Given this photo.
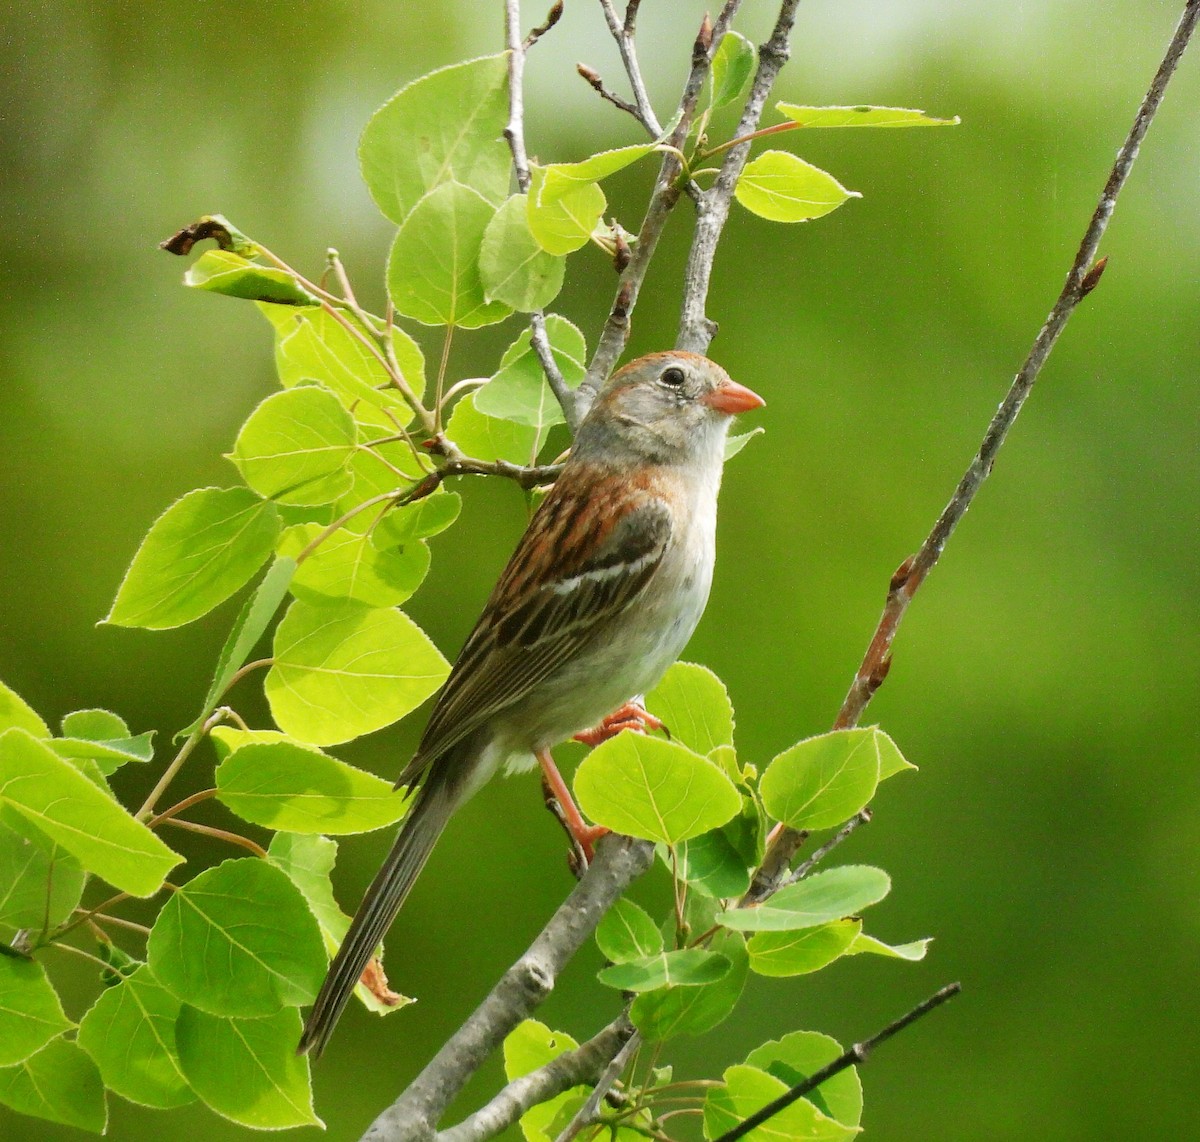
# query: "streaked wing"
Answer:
x=575 y=568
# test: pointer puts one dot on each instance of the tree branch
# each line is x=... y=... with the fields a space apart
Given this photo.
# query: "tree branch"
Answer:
x=587 y=1113
x=859 y=1053
x=415 y=1114
x=1082 y=278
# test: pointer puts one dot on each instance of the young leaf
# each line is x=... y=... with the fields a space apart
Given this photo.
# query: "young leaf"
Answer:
x=40 y=882
x=285 y=786
x=688 y=967
x=657 y=790
x=197 y=553
x=734 y=444
x=518 y=391
x=861 y=116
x=223 y=271
x=247 y=1070
x=675 y=1011
x=448 y=125
x=800 y=1055
x=489 y=437
x=803 y=951
x=514 y=269
x=238 y=940
x=891 y=760
x=30 y=1013
x=732 y=67
x=564 y=225
x=783 y=188
x=562 y=179
x=308 y=860
x=529 y=1046
x=295 y=446
x=748 y=1089
x=66 y=806
x=433 y=269
x=825 y=896
x=61 y=1084
x=913 y=951
x=628 y=933
x=421 y=519
x=342 y=670
x=823 y=781
x=695 y=706
x=94 y=725
x=348 y=565
x=313 y=345
x=15 y=711
x=712 y=864
x=130 y=1034
x=110 y=755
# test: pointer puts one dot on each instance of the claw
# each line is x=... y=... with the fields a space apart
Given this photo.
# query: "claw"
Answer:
x=630 y=716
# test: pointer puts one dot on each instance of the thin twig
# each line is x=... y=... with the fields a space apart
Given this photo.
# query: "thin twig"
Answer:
x=623 y=33
x=180 y=806
x=1082 y=278
x=592 y=77
x=822 y=851
x=415 y=1114
x=859 y=1053
x=120 y=923
x=217 y=834
x=587 y=1113
x=185 y=751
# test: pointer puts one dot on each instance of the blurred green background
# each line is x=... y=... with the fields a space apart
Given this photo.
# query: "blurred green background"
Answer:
x=1046 y=679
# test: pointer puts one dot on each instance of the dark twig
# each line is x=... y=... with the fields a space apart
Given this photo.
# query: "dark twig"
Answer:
x=592 y=77
x=862 y=817
x=1082 y=278
x=514 y=132
x=415 y=1114
x=623 y=33
x=587 y=1113
x=859 y=1053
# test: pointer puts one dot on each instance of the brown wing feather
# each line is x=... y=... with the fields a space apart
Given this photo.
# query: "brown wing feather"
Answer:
x=591 y=548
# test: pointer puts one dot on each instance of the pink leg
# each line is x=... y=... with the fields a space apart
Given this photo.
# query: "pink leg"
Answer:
x=584 y=835
x=630 y=716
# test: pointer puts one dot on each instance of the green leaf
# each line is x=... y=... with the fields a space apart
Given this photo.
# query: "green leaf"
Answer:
x=313 y=345
x=566 y=224
x=561 y=179
x=448 y=125
x=428 y=516
x=238 y=940
x=803 y=951
x=433 y=269
x=85 y=820
x=308 y=860
x=197 y=553
x=713 y=864
x=342 y=670
x=348 y=565
x=628 y=933
x=529 y=1046
x=93 y=725
x=860 y=116
x=891 y=760
x=734 y=444
x=519 y=392
x=675 y=1011
x=30 y=1013
x=513 y=267
x=296 y=445
x=644 y=787
x=817 y=899
x=40 y=882
x=130 y=1034
x=15 y=711
x=783 y=188
x=61 y=1084
x=800 y=1055
x=748 y=1089
x=247 y=1070
x=695 y=706
x=490 y=438
x=732 y=67
x=109 y=756
x=913 y=951
x=688 y=967
x=823 y=781
x=285 y=786
x=223 y=271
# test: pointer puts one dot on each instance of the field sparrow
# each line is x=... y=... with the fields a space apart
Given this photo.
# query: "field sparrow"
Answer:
x=599 y=598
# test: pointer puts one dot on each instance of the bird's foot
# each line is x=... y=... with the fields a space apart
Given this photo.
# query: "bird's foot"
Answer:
x=630 y=716
x=559 y=801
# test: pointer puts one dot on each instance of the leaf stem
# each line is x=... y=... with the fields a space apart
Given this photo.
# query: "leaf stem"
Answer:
x=218 y=834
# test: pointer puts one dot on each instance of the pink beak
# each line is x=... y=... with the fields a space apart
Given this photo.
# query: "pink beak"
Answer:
x=732 y=398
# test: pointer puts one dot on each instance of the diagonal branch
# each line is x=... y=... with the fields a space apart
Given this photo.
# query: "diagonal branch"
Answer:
x=1082 y=278
x=415 y=1114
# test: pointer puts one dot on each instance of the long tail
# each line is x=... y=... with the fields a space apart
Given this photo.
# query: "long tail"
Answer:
x=435 y=802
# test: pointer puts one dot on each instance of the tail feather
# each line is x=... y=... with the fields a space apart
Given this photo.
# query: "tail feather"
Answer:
x=435 y=802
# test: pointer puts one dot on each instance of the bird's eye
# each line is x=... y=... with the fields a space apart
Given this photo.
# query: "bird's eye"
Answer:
x=674 y=376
